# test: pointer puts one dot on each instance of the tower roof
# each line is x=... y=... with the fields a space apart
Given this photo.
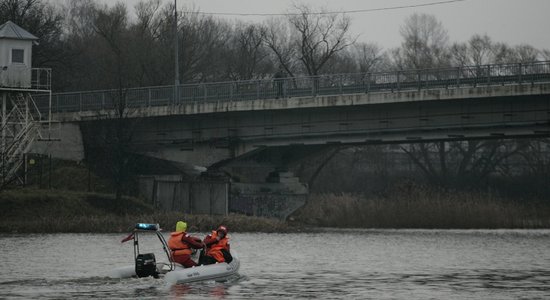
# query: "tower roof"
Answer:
x=10 y=30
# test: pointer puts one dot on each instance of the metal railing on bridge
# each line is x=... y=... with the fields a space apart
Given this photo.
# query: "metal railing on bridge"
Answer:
x=457 y=77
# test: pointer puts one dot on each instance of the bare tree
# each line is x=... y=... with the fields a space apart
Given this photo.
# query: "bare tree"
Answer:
x=80 y=18
x=111 y=139
x=479 y=50
x=425 y=43
x=536 y=158
x=82 y=71
x=369 y=57
x=279 y=39
x=503 y=53
x=319 y=37
x=147 y=51
x=310 y=39
x=525 y=53
x=247 y=56
x=203 y=42
x=343 y=62
x=112 y=26
x=358 y=58
x=460 y=164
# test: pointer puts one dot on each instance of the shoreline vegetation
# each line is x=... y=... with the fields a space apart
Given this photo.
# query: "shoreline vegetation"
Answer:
x=49 y=211
x=424 y=208
x=46 y=211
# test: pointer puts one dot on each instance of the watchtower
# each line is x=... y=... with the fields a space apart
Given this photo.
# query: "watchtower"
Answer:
x=21 y=118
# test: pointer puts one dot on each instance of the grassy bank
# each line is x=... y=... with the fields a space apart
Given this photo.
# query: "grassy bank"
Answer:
x=418 y=207
x=45 y=211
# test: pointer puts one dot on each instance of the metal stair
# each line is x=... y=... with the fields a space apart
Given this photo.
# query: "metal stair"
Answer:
x=19 y=130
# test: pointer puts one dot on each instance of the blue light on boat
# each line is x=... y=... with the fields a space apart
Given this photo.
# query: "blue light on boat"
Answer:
x=146 y=226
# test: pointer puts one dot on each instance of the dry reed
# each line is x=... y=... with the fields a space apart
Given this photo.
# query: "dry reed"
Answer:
x=42 y=211
x=420 y=207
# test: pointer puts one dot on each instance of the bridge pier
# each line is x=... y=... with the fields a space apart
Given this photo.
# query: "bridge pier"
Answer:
x=280 y=196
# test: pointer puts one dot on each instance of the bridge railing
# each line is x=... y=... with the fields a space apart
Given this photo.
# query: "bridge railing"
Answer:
x=41 y=78
x=466 y=76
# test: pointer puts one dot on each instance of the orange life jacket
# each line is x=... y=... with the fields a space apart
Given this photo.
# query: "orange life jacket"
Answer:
x=215 y=249
x=177 y=246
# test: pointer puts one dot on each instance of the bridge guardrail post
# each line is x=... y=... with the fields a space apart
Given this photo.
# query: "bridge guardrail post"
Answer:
x=398 y=81
x=488 y=74
x=534 y=72
x=148 y=104
x=458 y=77
x=520 y=71
x=80 y=102
x=257 y=89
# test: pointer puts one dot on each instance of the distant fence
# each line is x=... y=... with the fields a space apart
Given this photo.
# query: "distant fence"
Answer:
x=467 y=76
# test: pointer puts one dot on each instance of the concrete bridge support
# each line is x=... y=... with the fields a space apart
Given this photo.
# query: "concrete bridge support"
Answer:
x=174 y=193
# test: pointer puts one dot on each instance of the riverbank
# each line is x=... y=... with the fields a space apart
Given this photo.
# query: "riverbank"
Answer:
x=47 y=211
x=421 y=207
x=51 y=211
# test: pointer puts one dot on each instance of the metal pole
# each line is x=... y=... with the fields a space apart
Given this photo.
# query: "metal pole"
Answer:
x=176 y=53
x=520 y=71
x=26 y=111
x=89 y=177
x=26 y=170
x=50 y=114
x=4 y=122
x=398 y=82
x=49 y=173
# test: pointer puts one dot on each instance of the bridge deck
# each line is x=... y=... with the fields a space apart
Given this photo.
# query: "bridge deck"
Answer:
x=325 y=85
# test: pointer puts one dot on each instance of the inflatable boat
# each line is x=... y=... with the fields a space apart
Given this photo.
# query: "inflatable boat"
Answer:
x=146 y=264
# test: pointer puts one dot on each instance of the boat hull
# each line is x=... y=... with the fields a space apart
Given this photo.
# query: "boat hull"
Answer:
x=217 y=271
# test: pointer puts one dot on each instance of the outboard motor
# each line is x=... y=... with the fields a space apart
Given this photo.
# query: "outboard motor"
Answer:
x=146 y=265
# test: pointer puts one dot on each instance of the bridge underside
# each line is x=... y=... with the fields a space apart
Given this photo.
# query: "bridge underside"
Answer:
x=210 y=138
x=213 y=134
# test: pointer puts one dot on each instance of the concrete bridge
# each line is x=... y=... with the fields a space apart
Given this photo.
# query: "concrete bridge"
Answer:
x=212 y=124
x=208 y=123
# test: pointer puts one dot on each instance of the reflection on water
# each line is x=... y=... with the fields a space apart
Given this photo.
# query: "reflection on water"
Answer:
x=330 y=264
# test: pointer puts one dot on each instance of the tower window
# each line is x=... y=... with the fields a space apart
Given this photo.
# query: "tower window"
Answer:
x=18 y=56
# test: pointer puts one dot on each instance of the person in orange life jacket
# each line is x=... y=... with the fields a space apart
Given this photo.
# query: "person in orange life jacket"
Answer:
x=181 y=245
x=217 y=247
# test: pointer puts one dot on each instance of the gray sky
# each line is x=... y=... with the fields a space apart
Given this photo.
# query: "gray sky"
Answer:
x=511 y=21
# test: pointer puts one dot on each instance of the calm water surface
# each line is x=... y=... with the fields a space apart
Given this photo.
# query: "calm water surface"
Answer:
x=331 y=264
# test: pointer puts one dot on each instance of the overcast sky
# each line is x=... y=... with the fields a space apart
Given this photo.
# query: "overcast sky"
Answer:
x=512 y=21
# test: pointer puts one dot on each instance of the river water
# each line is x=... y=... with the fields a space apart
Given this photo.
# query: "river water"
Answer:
x=329 y=264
